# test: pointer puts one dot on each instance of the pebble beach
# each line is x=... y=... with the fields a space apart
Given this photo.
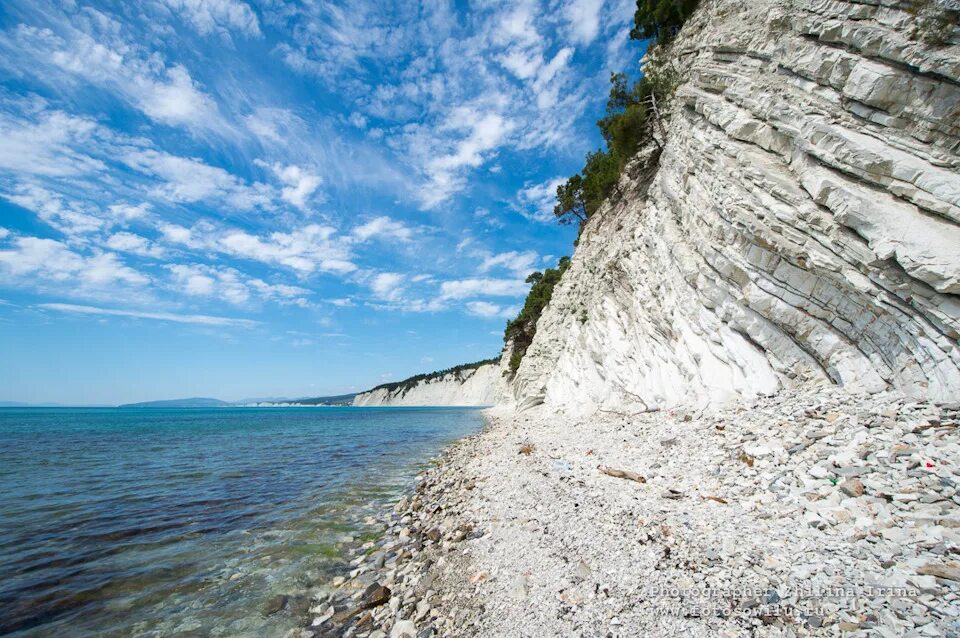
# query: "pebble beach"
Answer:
x=812 y=513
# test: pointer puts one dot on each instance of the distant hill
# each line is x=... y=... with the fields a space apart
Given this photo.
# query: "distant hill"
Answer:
x=250 y=400
x=196 y=402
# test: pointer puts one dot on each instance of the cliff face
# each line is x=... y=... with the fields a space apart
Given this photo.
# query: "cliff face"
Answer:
x=802 y=224
x=476 y=387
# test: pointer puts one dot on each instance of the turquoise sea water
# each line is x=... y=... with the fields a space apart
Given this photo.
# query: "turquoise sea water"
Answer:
x=186 y=522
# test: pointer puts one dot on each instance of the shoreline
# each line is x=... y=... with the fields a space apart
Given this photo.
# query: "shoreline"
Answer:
x=812 y=512
x=398 y=579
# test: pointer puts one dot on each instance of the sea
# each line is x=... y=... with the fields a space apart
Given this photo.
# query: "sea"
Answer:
x=195 y=522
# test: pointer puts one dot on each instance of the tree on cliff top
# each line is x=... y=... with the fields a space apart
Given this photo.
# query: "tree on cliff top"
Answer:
x=632 y=120
x=633 y=115
x=660 y=19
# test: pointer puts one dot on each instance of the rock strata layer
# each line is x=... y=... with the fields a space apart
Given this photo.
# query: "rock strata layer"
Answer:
x=801 y=224
x=481 y=386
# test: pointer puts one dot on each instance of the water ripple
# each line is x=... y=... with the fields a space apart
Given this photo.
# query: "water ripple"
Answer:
x=161 y=522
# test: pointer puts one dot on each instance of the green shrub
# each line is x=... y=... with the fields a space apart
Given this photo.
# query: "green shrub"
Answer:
x=630 y=122
x=660 y=19
x=522 y=329
x=408 y=383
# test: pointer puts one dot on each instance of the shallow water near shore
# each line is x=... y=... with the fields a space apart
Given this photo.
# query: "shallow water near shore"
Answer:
x=192 y=521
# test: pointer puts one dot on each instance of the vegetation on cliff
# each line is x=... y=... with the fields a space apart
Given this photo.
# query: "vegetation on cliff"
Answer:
x=660 y=19
x=457 y=371
x=520 y=331
x=632 y=120
x=633 y=116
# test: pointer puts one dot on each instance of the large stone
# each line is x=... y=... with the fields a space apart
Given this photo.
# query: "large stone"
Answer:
x=948 y=571
x=404 y=629
x=852 y=487
x=275 y=604
x=375 y=595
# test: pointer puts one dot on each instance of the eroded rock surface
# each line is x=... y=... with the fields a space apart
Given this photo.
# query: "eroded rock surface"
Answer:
x=802 y=223
x=480 y=386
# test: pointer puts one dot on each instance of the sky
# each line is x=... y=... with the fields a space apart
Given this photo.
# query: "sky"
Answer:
x=281 y=198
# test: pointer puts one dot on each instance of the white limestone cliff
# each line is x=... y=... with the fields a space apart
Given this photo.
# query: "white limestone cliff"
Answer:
x=480 y=386
x=802 y=224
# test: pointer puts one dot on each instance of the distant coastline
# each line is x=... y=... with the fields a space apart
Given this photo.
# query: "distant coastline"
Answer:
x=206 y=402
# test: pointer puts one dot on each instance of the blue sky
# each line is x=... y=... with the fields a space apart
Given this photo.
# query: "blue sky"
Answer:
x=281 y=198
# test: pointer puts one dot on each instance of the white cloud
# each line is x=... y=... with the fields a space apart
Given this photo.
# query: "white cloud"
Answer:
x=176 y=99
x=342 y=303
x=231 y=285
x=299 y=184
x=484 y=215
x=617 y=51
x=306 y=250
x=383 y=226
x=536 y=201
x=522 y=64
x=358 y=120
x=456 y=95
x=452 y=97
x=206 y=320
x=274 y=125
x=279 y=292
x=487 y=309
x=518 y=26
x=519 y=263
x=129 y=212
x=583 y=18
x=166 y=94
x=177 y=234
x=193 y=280
x=313 y=247
x=387 y=286
x=546 y=90
x=446 y=172
x=4 y=233
x=188 y=180
x=52 y=260
x=208 y=16
x=132 y=243
x=49 y=207
x=482 y=287
x=48 y=145
x=106 y=268
x=43 y=257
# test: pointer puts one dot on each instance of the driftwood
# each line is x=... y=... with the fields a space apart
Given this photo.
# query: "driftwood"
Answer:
x=656 y=118
x=623 y=414
x=717 y=499
x=624 y=474
x=937 y=425
x=948 y=571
